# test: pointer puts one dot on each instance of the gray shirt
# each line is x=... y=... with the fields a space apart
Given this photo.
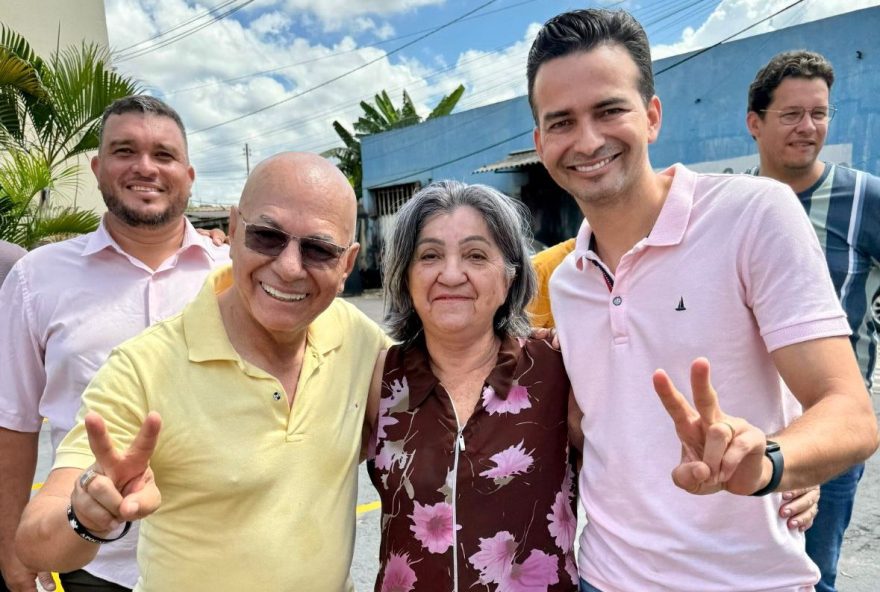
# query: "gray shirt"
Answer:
x=9 y=254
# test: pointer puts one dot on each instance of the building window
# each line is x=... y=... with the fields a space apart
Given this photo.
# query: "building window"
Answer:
x=389 y=199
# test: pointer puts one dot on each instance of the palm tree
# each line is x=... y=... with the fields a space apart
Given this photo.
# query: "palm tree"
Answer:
x=50 y=112
x=381 y=117
x=23 y=220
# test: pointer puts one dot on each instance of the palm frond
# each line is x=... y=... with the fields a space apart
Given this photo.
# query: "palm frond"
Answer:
x=447 y=103
x=52 y=224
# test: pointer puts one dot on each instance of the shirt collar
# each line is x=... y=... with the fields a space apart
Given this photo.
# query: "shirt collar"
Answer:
x=422 y=381
x=672 y=221
x=101 y=239
x=206 y=335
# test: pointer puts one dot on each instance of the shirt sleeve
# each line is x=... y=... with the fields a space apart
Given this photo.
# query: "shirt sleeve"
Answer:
x=22 y=368
x=116 y=393
x=785 y=276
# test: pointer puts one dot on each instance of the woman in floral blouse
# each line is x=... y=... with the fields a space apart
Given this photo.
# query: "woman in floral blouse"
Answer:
x=470 y=442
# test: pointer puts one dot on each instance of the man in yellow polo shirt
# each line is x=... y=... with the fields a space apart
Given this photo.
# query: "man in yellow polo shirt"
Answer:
x=260 y=387
x=545 y=263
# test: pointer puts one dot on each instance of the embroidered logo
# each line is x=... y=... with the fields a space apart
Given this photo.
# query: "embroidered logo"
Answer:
x=680 y=304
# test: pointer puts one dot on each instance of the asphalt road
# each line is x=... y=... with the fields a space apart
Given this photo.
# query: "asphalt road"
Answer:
x=859 y=564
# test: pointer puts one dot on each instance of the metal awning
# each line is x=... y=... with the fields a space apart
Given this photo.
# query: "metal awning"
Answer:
x=515 y=160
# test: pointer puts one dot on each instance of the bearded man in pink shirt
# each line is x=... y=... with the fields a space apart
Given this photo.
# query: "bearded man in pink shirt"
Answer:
x=64 y=306
x=669 y=267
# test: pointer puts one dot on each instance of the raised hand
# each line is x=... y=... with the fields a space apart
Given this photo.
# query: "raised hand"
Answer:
x=718 y=451
x=122 y=486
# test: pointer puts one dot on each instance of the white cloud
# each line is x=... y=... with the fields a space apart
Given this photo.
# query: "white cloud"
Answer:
x=733 y=15
x=270 y=65
x=188 y=72
x=270 y=23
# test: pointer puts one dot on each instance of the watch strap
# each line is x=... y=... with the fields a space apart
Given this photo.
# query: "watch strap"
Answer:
x=774 y=453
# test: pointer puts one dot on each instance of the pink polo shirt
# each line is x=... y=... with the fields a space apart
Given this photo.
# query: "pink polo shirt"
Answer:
x=63 y=307
x=731 y=270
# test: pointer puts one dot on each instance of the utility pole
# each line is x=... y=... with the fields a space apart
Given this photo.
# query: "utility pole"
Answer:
x=247 y=159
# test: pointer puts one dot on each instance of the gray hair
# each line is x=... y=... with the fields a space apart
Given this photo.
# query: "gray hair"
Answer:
x=508 y=222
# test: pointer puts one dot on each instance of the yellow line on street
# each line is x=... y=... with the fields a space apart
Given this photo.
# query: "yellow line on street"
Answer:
x=364 y=508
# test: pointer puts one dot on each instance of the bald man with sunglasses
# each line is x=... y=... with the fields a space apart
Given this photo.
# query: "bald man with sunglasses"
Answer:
x=245 y=411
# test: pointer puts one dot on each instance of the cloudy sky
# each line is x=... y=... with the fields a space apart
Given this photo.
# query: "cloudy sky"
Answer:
x=274 y=74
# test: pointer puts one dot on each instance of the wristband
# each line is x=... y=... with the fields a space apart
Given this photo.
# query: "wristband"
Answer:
x=774 y=453
x=84 y=533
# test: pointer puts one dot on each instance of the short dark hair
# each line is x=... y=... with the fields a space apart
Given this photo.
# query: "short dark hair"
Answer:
x=144 y=104
x=586 y=29
x=508 y=222
x=788 y=64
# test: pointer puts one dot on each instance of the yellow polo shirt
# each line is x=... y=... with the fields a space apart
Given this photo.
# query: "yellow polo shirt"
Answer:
x=545 y=263
x=255 y=496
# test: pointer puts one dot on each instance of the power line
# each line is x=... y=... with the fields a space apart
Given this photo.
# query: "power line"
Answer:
x=166 y=42
x=728 y=38
x=662 y=13
x=337 y=54
x=301 y=123
x=348 y=73
x=178 y=26
x=409 y=175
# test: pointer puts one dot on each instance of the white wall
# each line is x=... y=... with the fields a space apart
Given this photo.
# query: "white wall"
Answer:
x=48 y=24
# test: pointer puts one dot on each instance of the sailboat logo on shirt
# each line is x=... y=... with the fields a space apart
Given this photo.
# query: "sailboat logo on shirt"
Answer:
x=680 y=304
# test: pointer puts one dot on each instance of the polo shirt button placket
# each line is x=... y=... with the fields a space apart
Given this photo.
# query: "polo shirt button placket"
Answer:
x=617 y=301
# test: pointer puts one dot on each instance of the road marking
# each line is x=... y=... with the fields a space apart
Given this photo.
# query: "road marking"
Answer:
x=364 y=508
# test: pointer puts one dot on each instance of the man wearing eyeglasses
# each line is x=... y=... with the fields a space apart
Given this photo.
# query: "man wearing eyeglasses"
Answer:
x=245 y=411
x=789 y=113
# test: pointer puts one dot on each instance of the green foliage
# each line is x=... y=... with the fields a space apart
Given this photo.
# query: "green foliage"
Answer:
x=381 y=116
x=54 y=107
x=22 y=219
x=50 y=112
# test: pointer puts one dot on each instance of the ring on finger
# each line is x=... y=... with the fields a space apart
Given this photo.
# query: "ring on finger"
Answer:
x=732 y=430
x=86 y=478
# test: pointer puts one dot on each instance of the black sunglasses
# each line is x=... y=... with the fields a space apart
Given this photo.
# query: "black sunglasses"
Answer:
x=314 y=252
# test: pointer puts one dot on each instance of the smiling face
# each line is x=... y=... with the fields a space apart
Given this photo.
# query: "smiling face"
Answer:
x=791 y=152
x=305 y=196
x=593 y=126
x=457 y=278
x=143 y=170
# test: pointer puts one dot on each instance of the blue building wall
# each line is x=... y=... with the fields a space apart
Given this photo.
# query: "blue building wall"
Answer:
x=704 y=108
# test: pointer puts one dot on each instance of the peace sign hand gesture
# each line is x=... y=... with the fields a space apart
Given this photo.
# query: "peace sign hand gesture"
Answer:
x=718 y=451
x=119 y=486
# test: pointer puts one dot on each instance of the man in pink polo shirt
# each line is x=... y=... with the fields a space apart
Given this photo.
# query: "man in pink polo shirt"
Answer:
x=669 y=267
x=64 y=306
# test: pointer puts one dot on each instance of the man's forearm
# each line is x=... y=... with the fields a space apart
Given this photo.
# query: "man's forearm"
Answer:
x=832 y=435
x=45 y=541
x=838 y=428
x=18 y=462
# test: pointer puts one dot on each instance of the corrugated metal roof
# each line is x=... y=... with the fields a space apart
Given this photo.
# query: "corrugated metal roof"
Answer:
x=515 y=160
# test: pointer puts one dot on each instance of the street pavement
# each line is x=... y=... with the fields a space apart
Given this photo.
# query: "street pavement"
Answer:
x=859 y=563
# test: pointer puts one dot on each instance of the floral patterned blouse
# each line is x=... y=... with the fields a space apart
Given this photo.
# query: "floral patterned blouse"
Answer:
x=485 y=506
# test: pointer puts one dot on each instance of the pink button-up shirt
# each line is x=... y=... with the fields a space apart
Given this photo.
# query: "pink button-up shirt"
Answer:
x=63 y=307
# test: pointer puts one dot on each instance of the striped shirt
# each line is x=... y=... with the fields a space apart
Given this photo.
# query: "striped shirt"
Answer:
x=844 y=208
